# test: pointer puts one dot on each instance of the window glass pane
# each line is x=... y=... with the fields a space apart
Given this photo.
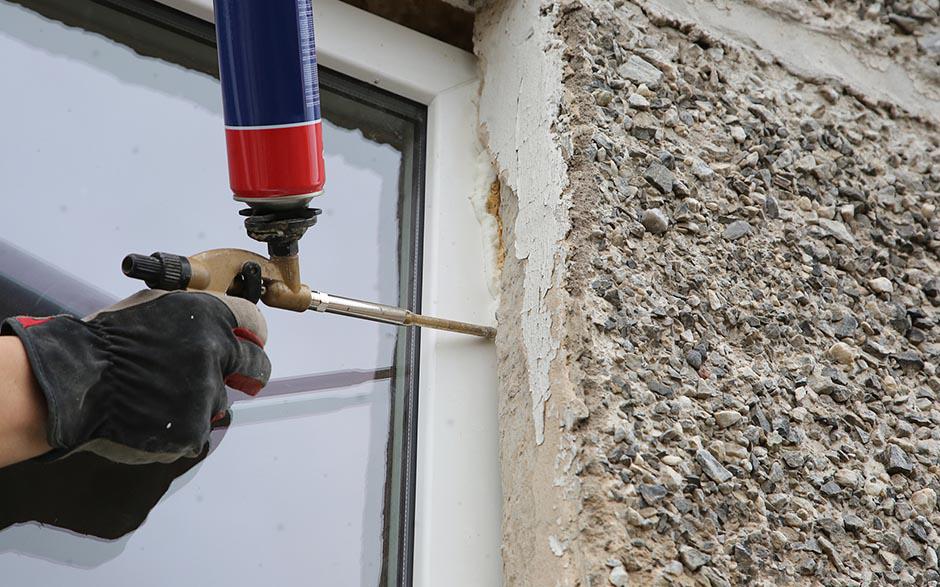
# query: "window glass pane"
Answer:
x=106 y=152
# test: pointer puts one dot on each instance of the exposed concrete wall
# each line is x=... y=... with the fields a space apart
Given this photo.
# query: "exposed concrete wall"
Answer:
x=718 y=319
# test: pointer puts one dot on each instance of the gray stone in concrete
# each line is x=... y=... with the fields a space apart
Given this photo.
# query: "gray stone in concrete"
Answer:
x=637 y=70
x=659 y=176
x=736 y=230
x=711 y=467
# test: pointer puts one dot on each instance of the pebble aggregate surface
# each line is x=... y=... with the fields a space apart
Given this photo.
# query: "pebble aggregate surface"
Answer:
x=756 y=258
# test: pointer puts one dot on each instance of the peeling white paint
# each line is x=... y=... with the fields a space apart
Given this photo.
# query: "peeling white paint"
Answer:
x=518 y=106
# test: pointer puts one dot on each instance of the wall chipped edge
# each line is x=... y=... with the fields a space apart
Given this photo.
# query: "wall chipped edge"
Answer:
x=522 y=142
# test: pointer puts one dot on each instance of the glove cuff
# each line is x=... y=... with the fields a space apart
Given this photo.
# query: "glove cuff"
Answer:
x=65 y=357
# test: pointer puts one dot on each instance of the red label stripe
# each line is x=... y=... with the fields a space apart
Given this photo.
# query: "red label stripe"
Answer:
x=276 y=162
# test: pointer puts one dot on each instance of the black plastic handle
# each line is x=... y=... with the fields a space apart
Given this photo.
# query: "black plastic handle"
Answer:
x=159 y=270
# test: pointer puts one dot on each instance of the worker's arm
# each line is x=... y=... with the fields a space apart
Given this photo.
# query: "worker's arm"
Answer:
x=139 y=382
x=22 y=406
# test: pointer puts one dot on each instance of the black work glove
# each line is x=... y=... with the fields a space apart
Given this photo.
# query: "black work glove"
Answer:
x=142 y=381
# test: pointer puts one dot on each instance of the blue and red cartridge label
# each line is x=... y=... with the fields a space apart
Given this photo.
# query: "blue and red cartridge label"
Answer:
x=271 y=98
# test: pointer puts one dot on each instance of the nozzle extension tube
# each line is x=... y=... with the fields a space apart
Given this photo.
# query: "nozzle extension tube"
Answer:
x=323 y=302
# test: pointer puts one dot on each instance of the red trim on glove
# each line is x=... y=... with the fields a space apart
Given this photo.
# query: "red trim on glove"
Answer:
x=245 y=334
x=29 y=322
x=244 y=383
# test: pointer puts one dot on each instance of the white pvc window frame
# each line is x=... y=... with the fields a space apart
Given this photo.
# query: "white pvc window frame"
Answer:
x=458 y=498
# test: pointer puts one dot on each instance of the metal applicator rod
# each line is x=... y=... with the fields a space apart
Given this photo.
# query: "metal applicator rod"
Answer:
x=323 y=302
x=276 y=283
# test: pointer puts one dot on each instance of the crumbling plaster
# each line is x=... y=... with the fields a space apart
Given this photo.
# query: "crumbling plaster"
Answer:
x=518 y=109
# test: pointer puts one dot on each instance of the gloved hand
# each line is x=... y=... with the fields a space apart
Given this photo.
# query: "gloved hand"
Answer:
x=142 y=381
